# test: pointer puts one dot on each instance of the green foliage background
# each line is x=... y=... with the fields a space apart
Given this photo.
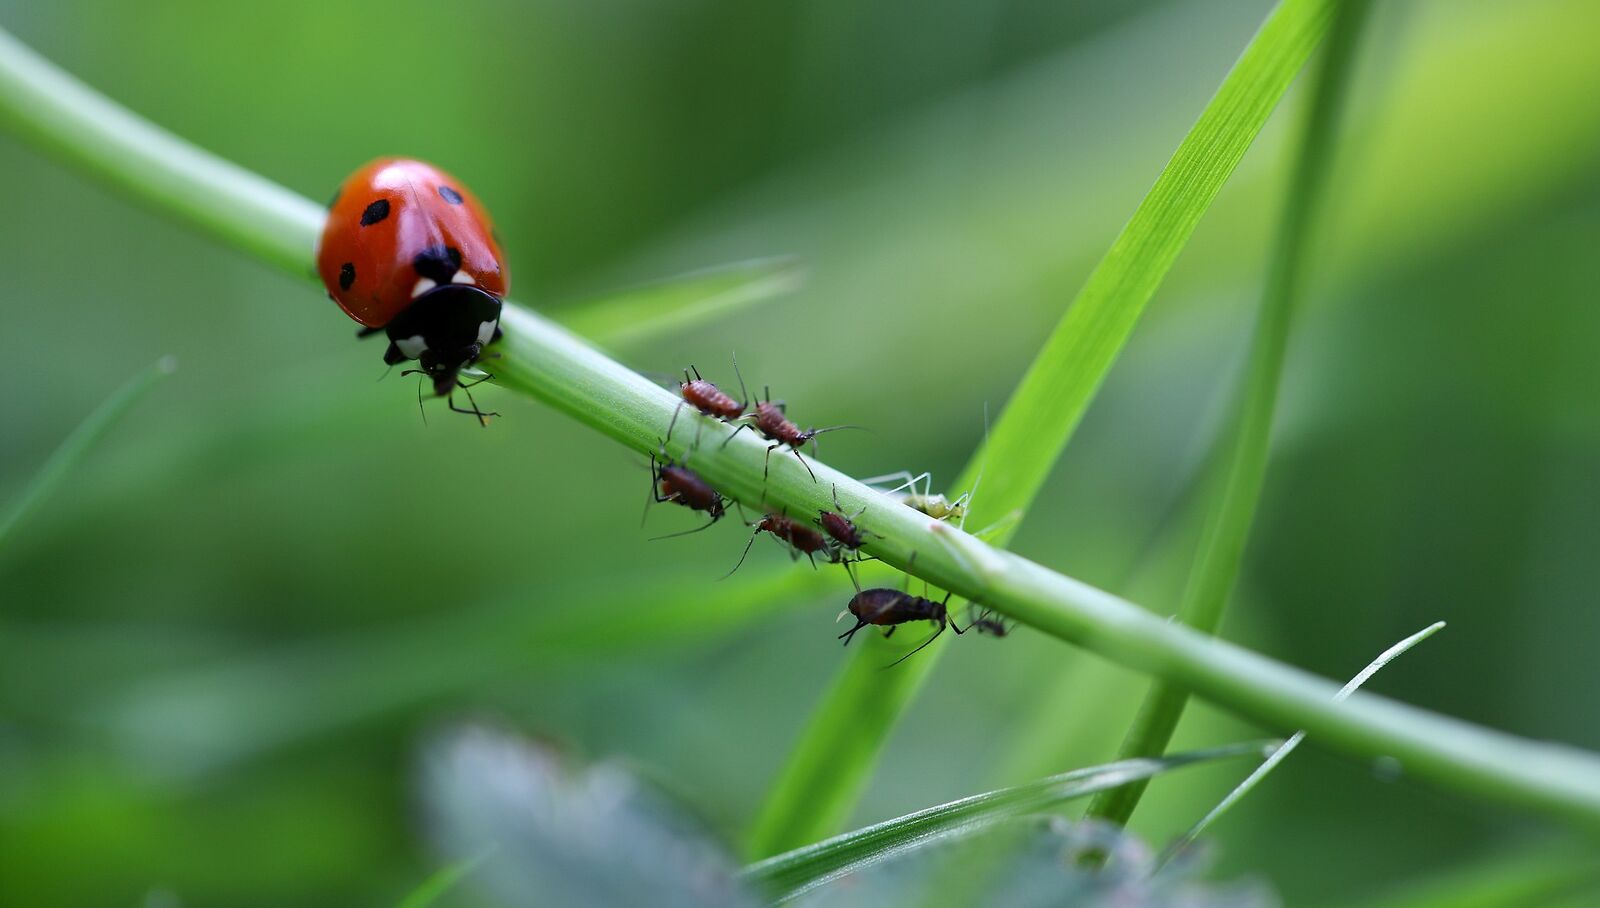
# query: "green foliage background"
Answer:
x=219 y=645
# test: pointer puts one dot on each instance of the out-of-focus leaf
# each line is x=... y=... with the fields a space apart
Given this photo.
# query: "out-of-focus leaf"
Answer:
x=569 y=837
x=795 y=872
x=630 y=315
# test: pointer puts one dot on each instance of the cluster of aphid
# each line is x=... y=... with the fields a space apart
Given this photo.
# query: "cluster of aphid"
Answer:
x=834 y=535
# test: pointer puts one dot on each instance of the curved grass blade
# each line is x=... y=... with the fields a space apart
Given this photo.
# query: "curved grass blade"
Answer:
x=792 y=873
x=829 y=768
x=640 y=313
x=1240 y=472
x=436 y=886
x=76 y=445
x=1287 y=747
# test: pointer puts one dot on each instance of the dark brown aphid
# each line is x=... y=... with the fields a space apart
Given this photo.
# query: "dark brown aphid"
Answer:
x=986 y=623
x=801 y=539
x=843 y=528
x=680 y=485
x=709 y=399
x=891 y=608
x=773 y=424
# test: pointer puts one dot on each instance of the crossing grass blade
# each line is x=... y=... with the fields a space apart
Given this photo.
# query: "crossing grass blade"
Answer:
x=1283 y=750
x=442 y=881
x=1240 y=472
x=76 y=445
x=829 y=767
x=788 y=875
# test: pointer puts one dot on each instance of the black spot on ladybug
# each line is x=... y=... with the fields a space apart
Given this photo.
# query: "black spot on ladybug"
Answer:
x=438 y=263
x=450 y=195
x=375 y=212
x=347 y=275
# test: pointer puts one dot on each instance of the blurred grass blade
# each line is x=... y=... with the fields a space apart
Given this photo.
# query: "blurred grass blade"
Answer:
x=442 y=881
x=1287 y=747
x=1240 y=471
x=634 y=314
x=829 y=767
x=76 y=445
x=792 y=873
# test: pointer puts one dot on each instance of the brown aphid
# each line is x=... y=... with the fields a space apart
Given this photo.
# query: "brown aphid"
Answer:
x=801 y=539
x=676 y=483
x=843 y=528
x=773 y=424
x=709 y=399
x=986 y=623
x=891 y=608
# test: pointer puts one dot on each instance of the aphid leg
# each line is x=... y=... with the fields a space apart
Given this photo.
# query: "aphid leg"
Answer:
x=706 y=526
x=919 y=649
x=673 y=422
x=851 y=632
x=803 y=464
x=890 y=631
x=813 y=559
x=742 y=427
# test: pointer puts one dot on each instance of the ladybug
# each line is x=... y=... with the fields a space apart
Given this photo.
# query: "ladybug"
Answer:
x=409 y=251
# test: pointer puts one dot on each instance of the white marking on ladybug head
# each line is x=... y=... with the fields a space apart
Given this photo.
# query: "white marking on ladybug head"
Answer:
x=423 y=285
x=462 y=277
x=412 y=346
x=486 y=332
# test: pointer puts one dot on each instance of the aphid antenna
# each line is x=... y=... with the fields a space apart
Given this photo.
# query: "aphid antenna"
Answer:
x=744 y=395
x=743 y=554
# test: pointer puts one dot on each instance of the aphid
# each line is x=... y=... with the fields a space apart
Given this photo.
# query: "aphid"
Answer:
x=773 y=425
x=801 y=539
x=891 y=608
x=409 y=251
x=936 y=506
x=681 y=485
x=985 y=623
x=709 y=399
x=846 y=535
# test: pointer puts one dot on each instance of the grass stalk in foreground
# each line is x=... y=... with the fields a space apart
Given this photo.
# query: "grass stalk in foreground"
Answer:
x=1241 y=469
x=833 y=760
x=544 y=361
x=793 y=873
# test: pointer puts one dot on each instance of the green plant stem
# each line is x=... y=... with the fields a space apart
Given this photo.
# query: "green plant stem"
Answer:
x=549 y=363
x=1242 y=466
x=832 y=763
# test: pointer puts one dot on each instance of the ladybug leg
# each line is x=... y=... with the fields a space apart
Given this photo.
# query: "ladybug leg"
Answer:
x=367 y=332
x=497 y=333
x=392 y=356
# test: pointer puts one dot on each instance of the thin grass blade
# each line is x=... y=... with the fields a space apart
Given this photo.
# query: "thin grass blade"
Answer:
x=636 y=314
x=1287 y=747
x=76 y=445
x=792 y=873
x=829 y=768
x=443 y=880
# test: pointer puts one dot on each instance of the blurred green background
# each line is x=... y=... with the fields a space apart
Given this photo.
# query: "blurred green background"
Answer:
x=221 y=645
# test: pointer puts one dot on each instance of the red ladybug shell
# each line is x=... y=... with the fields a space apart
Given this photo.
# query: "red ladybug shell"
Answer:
x=397 y=224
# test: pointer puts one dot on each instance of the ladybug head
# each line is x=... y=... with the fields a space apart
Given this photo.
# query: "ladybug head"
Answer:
x=446 y=329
